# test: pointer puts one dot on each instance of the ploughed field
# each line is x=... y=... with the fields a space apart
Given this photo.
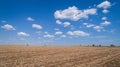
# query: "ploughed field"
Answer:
x=59 y=56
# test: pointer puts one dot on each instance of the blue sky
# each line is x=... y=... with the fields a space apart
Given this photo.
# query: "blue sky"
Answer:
x=60 y=22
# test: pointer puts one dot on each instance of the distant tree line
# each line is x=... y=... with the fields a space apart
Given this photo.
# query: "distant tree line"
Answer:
x=97 y=45
x=93 y=45
x=111 y=45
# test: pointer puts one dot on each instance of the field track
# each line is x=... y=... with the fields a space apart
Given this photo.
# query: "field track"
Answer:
x=59 y=56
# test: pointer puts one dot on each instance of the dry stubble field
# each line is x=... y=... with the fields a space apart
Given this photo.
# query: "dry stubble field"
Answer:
x=59 y=56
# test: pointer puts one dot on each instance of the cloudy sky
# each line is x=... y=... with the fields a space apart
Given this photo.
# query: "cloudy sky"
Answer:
x=60 y=22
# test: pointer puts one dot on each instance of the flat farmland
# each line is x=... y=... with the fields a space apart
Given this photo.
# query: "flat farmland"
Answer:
x=59 y=56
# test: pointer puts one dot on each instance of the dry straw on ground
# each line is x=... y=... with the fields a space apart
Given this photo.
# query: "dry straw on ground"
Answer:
x=59 y=56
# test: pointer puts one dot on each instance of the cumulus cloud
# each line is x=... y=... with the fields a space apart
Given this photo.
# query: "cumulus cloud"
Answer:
x=8 y=27
x=88 y=25
x=37 y=26
x=105 y=5
x=105 y=11
x=78 y=33
x=66 y=24
x=85 y=23
x=73 y=13
x=105 y=23
x=70 y=33
x=46 y=32
x=48 y=36
x=104 y=18
x=58 y=33
x=30 y=19
x=58 y=22
x=22 y=34
x=98 y=28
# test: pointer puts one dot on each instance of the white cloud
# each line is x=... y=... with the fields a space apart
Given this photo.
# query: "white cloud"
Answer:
x=58 y=33
x=78 y=33
x=66 y=24
x=37 y=26
x=30 y=19
x=8 y=27
x=73 y=13
x=105 y=23
x=105 y=5
x=58 y=22
x=63 y=36
x=104 y=18
x=105 y=11
x=49 y=36
x=98 y=28
x=88 y=25
x=23 y=34
x=46 y=32
x=90 y=11
x=70 y=33
x=85 y=23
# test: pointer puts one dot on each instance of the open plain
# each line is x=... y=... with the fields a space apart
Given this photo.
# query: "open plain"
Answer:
x=59 y=56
